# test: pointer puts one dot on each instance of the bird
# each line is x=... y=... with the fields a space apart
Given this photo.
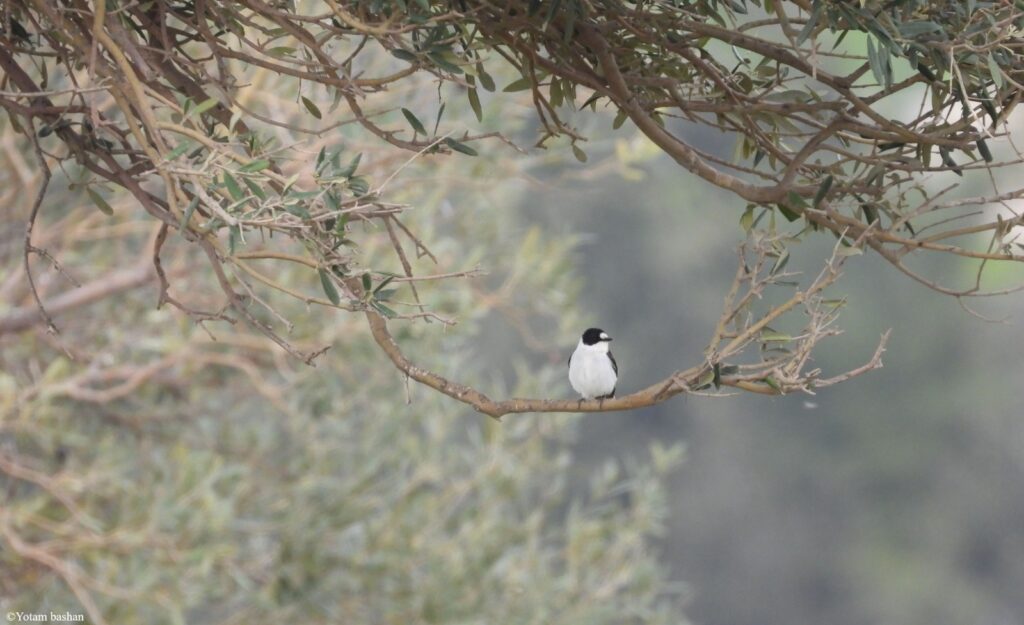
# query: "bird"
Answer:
x=593 y=372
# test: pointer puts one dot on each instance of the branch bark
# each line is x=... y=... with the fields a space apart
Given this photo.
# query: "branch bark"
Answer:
x=21 y=319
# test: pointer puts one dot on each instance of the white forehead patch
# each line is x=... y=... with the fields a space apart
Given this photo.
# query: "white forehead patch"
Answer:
x=604 y=336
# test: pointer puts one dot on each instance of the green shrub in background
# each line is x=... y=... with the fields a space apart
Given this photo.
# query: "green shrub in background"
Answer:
x=161 y=476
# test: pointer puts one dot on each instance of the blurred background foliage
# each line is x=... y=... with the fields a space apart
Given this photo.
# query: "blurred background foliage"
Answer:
x=153 y=474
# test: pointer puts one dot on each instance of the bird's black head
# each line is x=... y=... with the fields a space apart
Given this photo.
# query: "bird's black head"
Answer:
x=593 y=336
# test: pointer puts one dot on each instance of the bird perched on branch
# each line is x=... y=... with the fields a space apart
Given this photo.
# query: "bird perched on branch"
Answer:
x=593 y=371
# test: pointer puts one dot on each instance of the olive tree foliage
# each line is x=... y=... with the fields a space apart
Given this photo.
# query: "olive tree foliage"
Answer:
x=855 y=119
x=151 y=472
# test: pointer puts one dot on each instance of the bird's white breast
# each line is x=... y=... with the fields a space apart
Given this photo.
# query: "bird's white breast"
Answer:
x=590 y=371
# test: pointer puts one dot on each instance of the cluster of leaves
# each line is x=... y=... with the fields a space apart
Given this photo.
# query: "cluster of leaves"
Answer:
x=801 y=84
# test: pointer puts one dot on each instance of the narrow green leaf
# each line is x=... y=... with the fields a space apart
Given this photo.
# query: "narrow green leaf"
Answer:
x=414 y=121
x=738 y=6
x=329 y=289
x=444 y=63
x=313 y=109
x=404 y=55
x=202 y=107
x=890 y=145
x=705 y=381
x=591 y=102
x=875 y=61
x=780 y=262
x=555 y=97
x=178 y=150
x=460 y=147
x=339 y=226
x=297 y=209
x=234 y=236
x=383 y=283
x=989 y=108
x=255 y=188
x=812 y=22
x=578 y=152
x=983 y=149
x=384 y=310
x=870 y=212
x=996 y=71
x=947 y=160
x=914 y=29
x=620 y=118
x=474 y=103
x=795 y=201
x=351 y=168
x=788 y=213
x=747 y=219
x=367 y=282
x=522 y=84
x=100 y=203
x=823 y=189
x=440 y=113
x=332 y=202
x=849 y=251
x=232 y=186
x=188 y=213
x=486 y=81
x=281 y=51
x=359 y=185
x=254 y=166
x=768 y=336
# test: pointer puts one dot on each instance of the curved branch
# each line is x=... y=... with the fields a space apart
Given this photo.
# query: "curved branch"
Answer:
x=675 y=384
x=681 y=382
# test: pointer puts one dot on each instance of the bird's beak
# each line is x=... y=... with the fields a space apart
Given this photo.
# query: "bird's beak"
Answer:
x=609 y=339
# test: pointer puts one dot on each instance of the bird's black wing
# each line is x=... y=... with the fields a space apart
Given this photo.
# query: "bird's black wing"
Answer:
x=615 y=368
x=569 y=364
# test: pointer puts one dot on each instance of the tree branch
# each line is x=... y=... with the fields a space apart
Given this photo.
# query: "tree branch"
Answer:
x=21 y=319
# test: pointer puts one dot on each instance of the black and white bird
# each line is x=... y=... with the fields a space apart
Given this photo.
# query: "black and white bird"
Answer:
x=593 y=371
